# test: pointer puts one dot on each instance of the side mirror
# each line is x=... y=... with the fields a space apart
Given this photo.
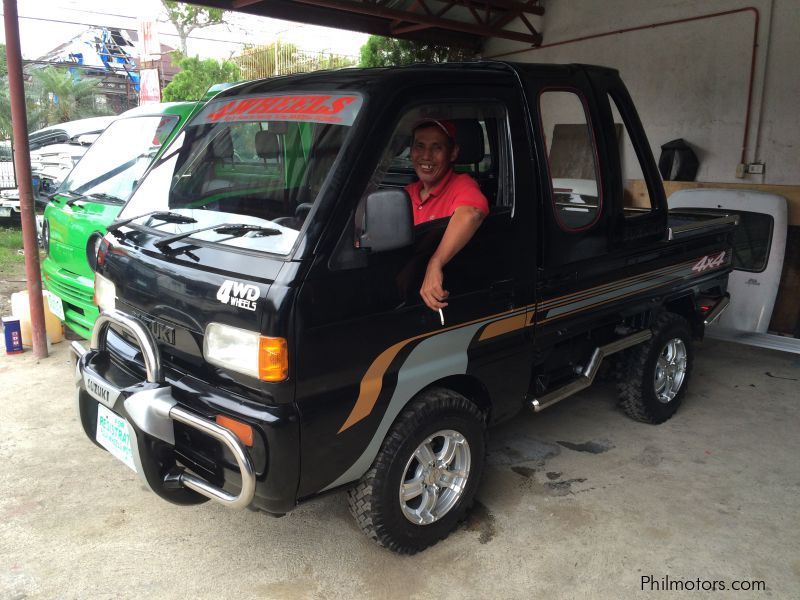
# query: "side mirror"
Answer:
x=388 y=222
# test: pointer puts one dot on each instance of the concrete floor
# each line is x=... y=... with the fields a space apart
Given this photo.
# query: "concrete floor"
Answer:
x=578 y=502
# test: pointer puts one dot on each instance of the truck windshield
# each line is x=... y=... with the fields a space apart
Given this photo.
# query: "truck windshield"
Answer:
x=112 y=166
x=248 y=160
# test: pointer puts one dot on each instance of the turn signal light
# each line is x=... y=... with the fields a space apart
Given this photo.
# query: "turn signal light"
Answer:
x=102 y=250
x=243 y=431
x=273 y=359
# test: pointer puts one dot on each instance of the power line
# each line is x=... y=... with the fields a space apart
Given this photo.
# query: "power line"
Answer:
x=287 y=25
x=63 y=22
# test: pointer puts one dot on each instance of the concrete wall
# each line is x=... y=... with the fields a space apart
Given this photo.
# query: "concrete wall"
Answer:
x=690 y=80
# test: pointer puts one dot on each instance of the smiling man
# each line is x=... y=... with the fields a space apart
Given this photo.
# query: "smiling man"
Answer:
x=440 y=193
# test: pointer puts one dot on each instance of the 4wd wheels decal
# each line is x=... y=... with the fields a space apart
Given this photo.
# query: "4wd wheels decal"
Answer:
x=238 y=294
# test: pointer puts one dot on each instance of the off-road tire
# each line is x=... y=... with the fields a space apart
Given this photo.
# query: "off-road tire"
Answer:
x=637 y=372
x=375 y=503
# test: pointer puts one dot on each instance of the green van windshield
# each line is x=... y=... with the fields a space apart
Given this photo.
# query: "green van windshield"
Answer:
x=113 y=165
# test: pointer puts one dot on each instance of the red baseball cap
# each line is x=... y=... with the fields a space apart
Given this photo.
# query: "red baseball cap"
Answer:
x=447 y=126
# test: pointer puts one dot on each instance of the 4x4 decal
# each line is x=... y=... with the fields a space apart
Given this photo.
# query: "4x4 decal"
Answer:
x=709 y=262
x=238 y=294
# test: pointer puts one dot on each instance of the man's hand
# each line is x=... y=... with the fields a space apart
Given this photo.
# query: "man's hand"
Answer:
x=432 y=292
x=462 y=226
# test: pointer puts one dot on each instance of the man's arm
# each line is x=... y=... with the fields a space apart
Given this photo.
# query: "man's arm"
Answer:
x=462 y=226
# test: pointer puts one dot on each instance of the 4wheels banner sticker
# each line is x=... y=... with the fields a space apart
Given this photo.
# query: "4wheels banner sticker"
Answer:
x=338 y=109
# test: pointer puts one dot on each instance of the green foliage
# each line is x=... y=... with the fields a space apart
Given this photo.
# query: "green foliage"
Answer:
x=386 y=52
x=187 y=17
x=10 y=244
x=56 y=96
x=5 y=112
x=5 y=103
x=196 y=76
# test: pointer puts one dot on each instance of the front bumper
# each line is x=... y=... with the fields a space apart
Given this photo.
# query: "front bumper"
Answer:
x=160 y=423
x=9 y=208
x=77 y=294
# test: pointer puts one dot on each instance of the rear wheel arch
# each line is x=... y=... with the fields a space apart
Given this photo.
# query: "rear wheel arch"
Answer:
x=686 y=307
x=468 y=386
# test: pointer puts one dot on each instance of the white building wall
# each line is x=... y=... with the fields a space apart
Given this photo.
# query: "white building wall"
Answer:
x=690 y=80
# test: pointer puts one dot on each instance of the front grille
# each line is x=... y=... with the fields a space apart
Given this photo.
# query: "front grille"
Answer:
x=69 y=293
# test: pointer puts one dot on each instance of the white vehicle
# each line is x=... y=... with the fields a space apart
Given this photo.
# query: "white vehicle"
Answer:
x=577 y=195
x=54 y=151
x=758 y=251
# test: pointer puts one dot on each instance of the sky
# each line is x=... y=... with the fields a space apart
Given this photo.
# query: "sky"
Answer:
x=40 y=32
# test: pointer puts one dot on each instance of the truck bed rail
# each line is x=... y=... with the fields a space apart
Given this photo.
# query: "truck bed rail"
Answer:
x=688 y=222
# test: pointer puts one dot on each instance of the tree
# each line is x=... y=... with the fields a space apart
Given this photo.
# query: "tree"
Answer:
x=5 y=112
x=5 y=102
x=56 y=96
x=386 y=52
x=196 y=76
x=186 y=18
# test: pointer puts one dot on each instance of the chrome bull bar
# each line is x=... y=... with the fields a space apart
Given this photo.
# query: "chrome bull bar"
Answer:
x=154 y=410
x=145 y=339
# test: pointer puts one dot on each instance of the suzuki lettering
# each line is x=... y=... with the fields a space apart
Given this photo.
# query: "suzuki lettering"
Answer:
x=238 y=294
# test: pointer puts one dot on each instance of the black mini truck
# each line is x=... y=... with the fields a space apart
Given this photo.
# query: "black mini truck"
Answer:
x=263 y=340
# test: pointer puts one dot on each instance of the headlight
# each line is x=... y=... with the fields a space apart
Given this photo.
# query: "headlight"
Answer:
x=92 y=246
x=105 y=293
x=246 y=352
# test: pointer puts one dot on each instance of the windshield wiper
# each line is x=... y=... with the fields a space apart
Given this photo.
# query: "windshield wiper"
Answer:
x=161 y=215
x=232 y=229
x=107 y=197
x=73 y=197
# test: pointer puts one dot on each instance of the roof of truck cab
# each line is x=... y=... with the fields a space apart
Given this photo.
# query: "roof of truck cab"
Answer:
x=357 y=78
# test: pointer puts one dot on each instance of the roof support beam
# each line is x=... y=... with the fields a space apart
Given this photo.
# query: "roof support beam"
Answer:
x=397 y=30
x=534 y=37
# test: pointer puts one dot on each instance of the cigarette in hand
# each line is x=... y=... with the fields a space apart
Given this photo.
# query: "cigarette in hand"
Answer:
x=441 y=316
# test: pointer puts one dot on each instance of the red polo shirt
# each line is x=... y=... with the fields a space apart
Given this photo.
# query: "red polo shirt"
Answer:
x=454 y=190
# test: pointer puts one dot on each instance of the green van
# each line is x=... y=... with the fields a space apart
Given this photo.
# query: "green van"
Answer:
x=91 y=197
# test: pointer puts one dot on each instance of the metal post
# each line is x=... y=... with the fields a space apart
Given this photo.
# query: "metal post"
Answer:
x=22 y=165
